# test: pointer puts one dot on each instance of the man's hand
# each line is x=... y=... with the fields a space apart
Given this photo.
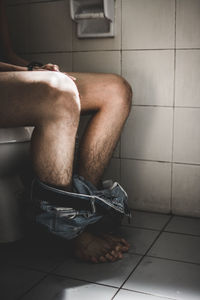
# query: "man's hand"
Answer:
x=52 y=67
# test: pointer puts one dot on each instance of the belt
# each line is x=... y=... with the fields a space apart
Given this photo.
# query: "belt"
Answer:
x=61 y=198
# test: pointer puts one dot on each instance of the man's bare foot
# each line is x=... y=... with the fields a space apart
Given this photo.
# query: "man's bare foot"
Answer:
x=92 y=248
x=115 y=241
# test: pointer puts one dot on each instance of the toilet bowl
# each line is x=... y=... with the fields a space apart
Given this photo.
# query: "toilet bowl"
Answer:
x=14 y=152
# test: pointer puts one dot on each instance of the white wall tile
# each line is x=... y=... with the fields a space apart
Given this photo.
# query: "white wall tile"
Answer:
x=187 y=78
x=186 y=190
x=148 y=184
x=63 y=60
x=101 y=61
x=151 y=74
x=148 y=24
x=188 y=24
x=19 y=27
x=51 y=27
x=101 y=43
x=148 y=134
x=187 y=135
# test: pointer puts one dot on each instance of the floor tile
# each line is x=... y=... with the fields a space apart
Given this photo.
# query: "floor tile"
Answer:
x=129 y=295
x=178 y=247
x=41 y=256
x=147 y=220
x=112 y=274
x=166 y=278
x=57 y=288
x=16 y=281
x=184 y=225
x=139 y=239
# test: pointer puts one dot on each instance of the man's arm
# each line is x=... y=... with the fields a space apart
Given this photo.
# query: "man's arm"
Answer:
x=9 y=53
x=8 y=67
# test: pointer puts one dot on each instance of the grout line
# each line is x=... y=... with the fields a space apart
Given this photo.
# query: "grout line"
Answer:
x=83 y=280
x=165 y=106
x=94 y=50
x=139 y=227
x=73 y=65
x=182 y=233
x=148 y=294
x=43 y=278
x=160 y=161
x=158 y=49
x=140 y=260
x=119 y=49
x=45 y=52
x=32 y=287
x=173 y=120
x=31 y=2
x=174 y=260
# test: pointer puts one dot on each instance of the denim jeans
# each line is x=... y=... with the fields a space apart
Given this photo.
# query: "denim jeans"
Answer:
x=68 y=222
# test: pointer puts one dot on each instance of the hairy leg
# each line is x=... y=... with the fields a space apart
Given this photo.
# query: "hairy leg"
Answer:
x=109 y=96
x=50 y=102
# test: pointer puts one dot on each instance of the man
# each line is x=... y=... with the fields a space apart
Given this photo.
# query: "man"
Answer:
x=52 y=102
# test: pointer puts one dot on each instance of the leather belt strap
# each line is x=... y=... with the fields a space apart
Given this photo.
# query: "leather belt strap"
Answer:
x=66 y=199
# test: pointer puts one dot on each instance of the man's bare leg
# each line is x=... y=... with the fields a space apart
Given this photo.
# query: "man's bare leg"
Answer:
x=109 y=96
x=50 y=102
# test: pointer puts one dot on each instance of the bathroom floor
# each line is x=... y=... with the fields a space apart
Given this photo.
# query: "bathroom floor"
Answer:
x=163 y=263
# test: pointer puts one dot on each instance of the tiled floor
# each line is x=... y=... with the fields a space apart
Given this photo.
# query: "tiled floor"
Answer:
x=163 y=263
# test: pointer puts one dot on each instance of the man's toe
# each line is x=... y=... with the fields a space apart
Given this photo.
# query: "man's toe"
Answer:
x=94 y=260
x=102 y=259
x=109 y=257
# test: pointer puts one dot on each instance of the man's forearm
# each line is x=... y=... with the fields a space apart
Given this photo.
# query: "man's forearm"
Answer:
x=8 y=67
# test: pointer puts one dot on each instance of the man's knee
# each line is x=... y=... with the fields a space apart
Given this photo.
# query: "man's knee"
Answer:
x=122 y=92
x=59 y=95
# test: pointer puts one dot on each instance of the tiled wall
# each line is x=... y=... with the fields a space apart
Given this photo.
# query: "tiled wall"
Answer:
x=157 y=48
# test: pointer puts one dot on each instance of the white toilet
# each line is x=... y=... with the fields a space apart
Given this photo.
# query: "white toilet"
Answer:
x=14 y=151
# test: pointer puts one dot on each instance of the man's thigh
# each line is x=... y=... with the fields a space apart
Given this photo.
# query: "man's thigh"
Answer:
x=94 y=89
x=24 y=95
x=18 y=98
